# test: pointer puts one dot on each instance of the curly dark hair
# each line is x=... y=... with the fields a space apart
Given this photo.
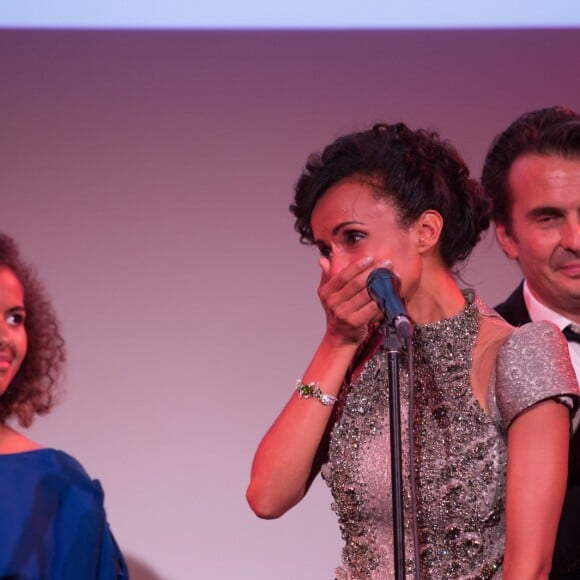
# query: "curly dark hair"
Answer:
x=549 y=131
x=415 y=170
x=32 y=391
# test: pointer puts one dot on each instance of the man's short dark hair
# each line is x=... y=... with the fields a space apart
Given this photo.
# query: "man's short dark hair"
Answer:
x=549 y=131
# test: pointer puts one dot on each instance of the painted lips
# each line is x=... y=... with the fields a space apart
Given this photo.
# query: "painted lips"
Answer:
x=5 y=363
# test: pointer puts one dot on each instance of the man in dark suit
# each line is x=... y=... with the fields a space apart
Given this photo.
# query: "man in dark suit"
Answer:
x=532 y=176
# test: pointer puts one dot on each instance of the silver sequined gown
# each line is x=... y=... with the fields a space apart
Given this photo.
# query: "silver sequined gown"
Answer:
x=460 y=451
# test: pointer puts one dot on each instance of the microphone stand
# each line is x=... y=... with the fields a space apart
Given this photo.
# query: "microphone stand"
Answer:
x=392 y=344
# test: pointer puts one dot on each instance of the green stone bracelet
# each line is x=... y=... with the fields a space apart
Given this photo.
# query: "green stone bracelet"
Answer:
x=313 y=391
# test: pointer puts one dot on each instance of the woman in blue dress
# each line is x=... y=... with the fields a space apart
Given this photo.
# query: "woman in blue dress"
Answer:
x=52 y=518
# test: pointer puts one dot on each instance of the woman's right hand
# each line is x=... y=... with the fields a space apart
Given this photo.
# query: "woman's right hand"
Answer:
x=288 y=456
x=346 y=302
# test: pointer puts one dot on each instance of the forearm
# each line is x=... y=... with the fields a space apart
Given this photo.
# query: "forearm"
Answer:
x=536 y=481
x=284 y=462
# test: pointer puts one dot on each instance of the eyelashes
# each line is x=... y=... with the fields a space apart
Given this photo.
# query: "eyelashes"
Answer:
x=348 y=239
x=15 y=319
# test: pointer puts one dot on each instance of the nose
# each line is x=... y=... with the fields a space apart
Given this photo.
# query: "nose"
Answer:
x=5 y=332
x=571 y=235
x=338 y=262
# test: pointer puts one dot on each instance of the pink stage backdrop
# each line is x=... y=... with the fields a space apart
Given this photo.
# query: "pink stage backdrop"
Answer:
x=148 y=176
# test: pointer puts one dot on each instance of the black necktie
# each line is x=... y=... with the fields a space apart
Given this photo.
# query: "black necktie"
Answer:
x=571 y=335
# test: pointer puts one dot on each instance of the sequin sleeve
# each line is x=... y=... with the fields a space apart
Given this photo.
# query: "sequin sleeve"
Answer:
x=532 y=366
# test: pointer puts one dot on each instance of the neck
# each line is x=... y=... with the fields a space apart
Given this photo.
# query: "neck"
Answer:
x=13 y=442
x=436 y=298
x=568 y=310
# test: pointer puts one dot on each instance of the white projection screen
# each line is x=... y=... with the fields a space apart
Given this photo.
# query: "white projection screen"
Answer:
x=147 y=164
x=299 y=14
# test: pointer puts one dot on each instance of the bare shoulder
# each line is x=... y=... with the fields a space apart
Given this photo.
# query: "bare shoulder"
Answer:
x=13 y=442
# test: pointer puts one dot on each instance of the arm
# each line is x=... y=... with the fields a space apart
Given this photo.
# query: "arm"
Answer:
x=285 y=465
x=537 y=462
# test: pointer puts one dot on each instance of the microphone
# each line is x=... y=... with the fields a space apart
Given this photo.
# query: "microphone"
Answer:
x=383 y=287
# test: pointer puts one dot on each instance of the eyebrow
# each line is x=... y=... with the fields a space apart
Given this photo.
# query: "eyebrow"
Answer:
x=545 y=210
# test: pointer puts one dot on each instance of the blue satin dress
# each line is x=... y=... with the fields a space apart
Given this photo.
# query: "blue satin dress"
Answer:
x=52 y=521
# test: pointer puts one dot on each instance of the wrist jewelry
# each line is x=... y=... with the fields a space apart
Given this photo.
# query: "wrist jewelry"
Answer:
x=313 y=391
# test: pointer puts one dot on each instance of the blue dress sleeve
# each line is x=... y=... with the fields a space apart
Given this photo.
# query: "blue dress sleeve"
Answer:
x=84 y=542
x=52 y=521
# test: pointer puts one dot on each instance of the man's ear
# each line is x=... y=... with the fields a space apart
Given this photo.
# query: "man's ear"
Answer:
x=428 y=230
x=507 y=241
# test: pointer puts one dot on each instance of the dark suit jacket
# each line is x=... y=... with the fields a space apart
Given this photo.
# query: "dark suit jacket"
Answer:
x=566 y=563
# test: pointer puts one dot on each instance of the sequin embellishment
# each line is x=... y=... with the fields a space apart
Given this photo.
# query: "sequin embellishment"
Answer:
x=460 y=463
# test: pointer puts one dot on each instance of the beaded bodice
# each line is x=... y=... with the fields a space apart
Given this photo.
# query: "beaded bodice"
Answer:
x=460 y=459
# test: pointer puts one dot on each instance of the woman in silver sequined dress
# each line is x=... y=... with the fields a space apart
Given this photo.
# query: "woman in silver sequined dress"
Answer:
x=493 y=404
